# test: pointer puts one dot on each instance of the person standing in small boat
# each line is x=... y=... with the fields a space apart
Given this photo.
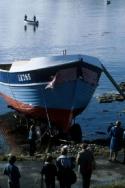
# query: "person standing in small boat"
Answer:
x=34 y=18
x=25 y=17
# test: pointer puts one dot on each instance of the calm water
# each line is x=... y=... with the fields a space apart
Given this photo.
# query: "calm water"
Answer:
x=84 y=26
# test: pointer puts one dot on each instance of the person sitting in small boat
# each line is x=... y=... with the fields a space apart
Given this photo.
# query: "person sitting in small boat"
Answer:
x=25 y=17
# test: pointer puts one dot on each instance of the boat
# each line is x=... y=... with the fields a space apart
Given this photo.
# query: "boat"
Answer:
x=32 y=22
x=55 y=89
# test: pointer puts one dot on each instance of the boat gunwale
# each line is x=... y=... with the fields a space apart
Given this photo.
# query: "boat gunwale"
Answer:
x=59 y=67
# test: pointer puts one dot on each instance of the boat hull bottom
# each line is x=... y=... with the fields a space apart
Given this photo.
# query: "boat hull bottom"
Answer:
x=59 y=118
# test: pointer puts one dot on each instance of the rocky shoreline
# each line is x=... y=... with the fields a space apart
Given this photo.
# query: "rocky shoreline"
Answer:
x=14 y=139
x=106 y=174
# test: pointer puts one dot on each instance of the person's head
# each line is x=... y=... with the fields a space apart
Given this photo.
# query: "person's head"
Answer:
x=12 y=159
x=32 y=127
x=49 y=158
x=118 y=123
x=84 y=145
x=111 y=124
x=64 y=150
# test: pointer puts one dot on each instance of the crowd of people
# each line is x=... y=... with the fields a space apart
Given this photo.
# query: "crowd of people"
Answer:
x=62 y=168
x=13 y=173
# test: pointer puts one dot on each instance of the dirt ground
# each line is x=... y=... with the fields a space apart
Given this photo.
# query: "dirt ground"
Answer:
x=105 y=173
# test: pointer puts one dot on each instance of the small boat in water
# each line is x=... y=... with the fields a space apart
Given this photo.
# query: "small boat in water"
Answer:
x=33 y=22
x=54 y=88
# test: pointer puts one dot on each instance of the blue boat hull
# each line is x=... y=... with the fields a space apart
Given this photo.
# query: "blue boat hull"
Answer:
x=34 y=94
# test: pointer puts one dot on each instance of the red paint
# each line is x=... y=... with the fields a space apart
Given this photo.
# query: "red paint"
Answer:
x=61 y=118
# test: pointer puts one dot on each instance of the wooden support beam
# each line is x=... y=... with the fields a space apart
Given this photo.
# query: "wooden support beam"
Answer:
x=112 y=80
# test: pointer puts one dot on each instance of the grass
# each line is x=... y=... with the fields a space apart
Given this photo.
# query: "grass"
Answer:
x=111 y=186
x=3 y=158
x=118 y=184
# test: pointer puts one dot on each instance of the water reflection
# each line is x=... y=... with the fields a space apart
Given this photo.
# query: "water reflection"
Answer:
x=25 y=28
x=34 y=27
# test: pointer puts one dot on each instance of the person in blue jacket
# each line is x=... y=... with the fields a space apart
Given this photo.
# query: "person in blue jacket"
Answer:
x=116 y=134
x=65 y=164
x=13 y=173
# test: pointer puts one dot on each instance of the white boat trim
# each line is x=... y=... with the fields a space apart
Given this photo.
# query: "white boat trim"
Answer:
x=20 y=85
x=52 y=61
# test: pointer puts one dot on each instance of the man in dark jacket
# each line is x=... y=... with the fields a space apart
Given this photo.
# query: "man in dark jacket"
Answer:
x=85 y=161
x=49 y=170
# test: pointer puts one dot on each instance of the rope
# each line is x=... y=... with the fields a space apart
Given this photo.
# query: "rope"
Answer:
x=46 y=110
x=76 y=83
x=43 y=134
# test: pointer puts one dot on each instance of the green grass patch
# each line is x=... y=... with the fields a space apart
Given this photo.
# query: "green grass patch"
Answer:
x=120 y=184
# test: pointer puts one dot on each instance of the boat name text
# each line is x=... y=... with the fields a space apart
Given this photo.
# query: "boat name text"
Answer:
x=24 y=77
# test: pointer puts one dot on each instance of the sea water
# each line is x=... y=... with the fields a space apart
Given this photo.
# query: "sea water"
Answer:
x=88 y=27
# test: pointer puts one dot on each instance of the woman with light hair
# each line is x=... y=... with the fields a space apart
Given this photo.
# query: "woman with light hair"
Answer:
x=116 y=134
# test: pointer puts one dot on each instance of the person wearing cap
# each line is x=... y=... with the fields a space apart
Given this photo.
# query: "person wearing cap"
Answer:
x=13 y=173
x=86 y=164
x=49 y=171
x=116 y=134
x=65 y=165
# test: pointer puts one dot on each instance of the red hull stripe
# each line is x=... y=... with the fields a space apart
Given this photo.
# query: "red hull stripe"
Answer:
x=61 y=118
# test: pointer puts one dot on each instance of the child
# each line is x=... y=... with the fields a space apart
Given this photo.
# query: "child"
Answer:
x=49 y=171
